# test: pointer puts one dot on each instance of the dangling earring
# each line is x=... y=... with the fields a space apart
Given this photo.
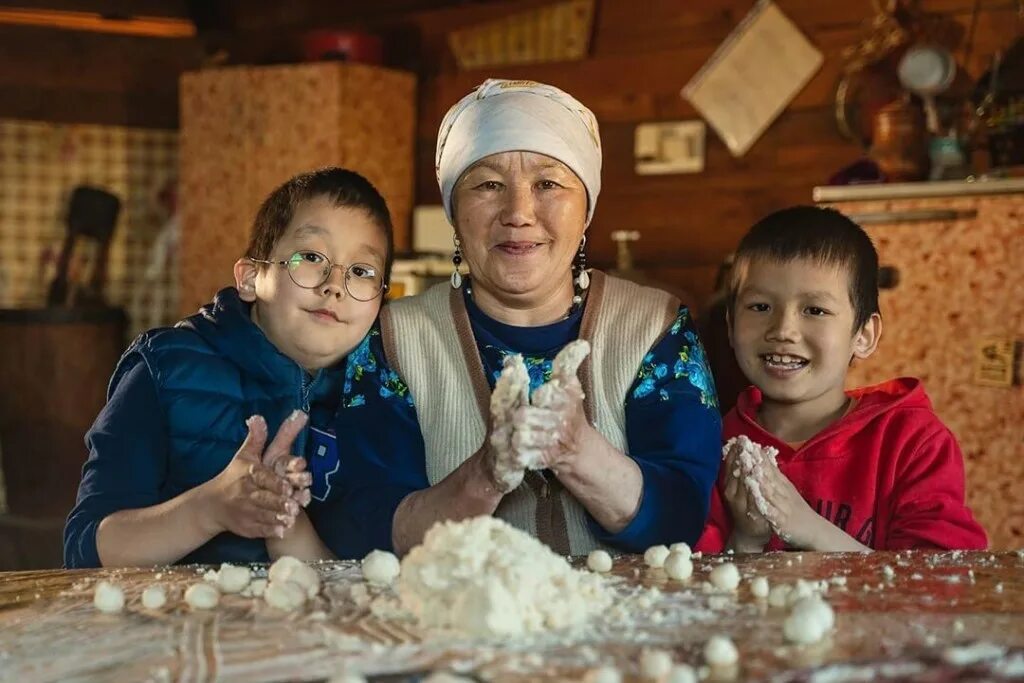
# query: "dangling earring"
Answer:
x=456 y=260
x=582 y=278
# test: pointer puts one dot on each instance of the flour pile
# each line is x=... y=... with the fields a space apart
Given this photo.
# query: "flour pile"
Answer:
x=483 y=577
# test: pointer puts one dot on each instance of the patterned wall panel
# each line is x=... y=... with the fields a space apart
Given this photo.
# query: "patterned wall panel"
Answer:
x=247 y=130
x=40 y=163
x=960 y=282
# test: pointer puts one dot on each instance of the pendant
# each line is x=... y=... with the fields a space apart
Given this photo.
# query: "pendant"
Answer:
x=456 y=279
x=583 y=280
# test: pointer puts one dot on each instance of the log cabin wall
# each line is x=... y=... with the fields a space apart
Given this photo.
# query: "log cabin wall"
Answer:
x=642 y=53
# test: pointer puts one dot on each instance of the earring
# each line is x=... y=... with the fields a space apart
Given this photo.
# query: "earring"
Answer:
x=456 y=261
x=580 y=266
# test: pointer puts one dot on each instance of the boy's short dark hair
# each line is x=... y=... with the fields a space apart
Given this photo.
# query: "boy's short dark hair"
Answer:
x=821 y=235
x=339 y=186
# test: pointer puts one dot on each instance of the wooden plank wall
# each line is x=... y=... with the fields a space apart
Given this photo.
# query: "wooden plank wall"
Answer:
x=643 y=52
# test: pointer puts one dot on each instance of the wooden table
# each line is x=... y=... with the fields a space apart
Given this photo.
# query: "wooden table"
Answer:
x=906 y=623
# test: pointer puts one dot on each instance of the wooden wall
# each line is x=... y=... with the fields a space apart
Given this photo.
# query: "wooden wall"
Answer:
x=642 y=53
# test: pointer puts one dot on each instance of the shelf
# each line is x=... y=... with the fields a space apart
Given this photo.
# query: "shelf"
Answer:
x=943 y=188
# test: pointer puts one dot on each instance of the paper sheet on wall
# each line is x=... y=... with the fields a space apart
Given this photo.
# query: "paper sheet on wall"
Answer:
x=752 y=76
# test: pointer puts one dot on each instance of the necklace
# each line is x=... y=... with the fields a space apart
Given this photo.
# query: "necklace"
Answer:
x=577 y=298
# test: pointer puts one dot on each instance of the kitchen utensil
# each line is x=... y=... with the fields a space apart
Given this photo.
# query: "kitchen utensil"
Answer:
x=927 y=71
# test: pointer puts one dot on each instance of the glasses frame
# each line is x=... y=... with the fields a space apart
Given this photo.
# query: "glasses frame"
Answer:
x=331 y=265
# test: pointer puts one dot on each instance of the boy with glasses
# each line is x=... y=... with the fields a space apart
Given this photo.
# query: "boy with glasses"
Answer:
x=166 y=480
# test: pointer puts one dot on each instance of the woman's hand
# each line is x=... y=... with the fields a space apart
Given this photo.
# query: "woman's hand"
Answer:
x=549 y=433
x=255 y=495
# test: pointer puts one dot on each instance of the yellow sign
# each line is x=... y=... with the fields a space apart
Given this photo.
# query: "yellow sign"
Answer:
x=994 y=361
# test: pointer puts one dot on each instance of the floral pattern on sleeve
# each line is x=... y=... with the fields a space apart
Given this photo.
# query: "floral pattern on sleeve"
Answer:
x=366 y=375
x=678 y=357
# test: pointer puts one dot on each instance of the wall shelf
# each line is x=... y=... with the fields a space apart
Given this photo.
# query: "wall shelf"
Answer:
x=942 y=188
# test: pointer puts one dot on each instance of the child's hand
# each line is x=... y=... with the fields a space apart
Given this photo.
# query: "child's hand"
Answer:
x=751 y=530
x=792 y=518
x=249 y=498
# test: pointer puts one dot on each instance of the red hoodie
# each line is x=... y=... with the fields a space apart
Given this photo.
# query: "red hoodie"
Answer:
x=889 y=473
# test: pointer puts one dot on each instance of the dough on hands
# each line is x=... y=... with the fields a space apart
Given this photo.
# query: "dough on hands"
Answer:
x=154 y=597
x=380 y=568
x=511 y=391
x=108 y=597
x=599 y=561
x=202 y=596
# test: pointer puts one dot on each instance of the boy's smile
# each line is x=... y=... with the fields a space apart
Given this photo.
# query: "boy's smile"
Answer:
x=792 y=328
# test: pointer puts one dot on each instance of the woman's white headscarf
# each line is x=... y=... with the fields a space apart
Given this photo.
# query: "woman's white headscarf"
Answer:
x=510 y=116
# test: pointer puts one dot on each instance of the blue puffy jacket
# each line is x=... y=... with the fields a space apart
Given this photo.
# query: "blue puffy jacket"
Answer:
x=175 y=415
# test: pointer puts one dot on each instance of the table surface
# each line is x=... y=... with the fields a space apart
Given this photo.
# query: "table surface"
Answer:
x=914 y=623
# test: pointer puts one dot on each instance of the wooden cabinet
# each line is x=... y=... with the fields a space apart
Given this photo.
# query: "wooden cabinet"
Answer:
x=245 y=130
x=55 y=367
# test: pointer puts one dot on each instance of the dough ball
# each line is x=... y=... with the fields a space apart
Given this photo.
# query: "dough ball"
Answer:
x=682 y=673
x=678 y=566
x=108 y=597
x=295 y=571
x=720 y=651
x=202 y=596
x=725 y=577
x=682 y=548
x=809 y=621
x=154 y=597
x=759 y=587
x=284 y=595
x=603 y=674
x=655 y=556
x=655 y=664
x=232 y=579
x=599 y=561
x=381 y=568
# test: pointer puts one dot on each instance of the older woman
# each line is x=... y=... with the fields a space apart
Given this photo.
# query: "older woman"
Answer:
x=627 y=454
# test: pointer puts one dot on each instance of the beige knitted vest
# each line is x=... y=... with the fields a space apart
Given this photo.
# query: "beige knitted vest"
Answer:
x=429 y=342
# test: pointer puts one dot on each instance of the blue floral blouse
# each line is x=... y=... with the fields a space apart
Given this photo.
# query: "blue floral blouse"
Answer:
x=673 y=430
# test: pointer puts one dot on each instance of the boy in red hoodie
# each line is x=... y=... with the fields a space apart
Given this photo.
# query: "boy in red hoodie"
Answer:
x=870 y=469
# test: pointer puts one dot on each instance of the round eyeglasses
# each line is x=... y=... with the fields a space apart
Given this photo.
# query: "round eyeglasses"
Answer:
x=311 y=269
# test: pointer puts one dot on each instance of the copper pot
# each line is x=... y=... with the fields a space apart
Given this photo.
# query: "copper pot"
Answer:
x=899 y=141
